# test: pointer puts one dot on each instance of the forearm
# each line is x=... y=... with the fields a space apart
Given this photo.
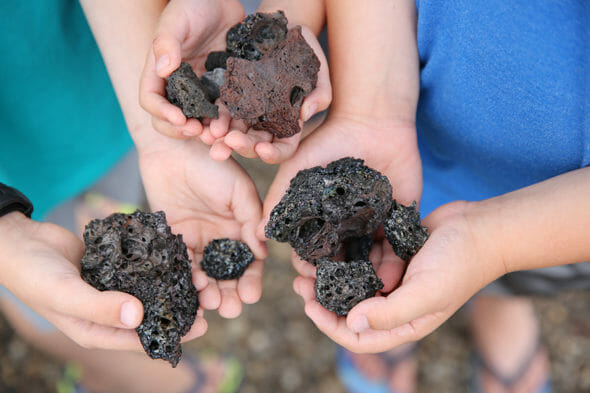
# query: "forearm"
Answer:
x=543 y=225
x=124 y=31
x=374 y=58
x=311 y=13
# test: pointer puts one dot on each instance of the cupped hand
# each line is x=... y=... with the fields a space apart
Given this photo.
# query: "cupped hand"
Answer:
x=227 y=135
x=205 y=200
x=188 y=31
x=40 y=264
x=451 y=267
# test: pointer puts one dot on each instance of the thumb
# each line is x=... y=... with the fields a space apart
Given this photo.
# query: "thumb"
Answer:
x=167 y=45
x=77 y=299
x=321 y=97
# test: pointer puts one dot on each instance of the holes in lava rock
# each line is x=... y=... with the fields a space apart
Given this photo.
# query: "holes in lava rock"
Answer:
x=296 y=96
x=310 y=228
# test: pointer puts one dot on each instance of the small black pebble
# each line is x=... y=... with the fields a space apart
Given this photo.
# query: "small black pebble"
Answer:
x=225 y=259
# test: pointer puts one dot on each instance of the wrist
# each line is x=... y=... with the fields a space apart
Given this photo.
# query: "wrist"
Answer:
x=14 y=227
x=488 y=237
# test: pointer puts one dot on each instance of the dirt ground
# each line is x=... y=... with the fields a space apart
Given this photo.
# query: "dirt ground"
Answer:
x=282 y=351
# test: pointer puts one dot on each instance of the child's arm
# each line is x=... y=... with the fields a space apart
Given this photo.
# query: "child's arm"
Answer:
x=202 y=199
x=471 y=244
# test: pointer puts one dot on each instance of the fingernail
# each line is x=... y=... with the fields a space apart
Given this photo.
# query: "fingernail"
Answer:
x=128 y=314
x=187 y=134
x=309 y=111
x=360 y=324
x=163 y=62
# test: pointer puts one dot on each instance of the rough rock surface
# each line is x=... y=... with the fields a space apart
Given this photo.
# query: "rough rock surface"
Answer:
x=358 y=248
x=339 y=286
x=225 y=259
x=212 y=82
x=256 y=34
x=216 y=60
x=267 y=94
x=404 y=230
x=324 y=207
x=138 y=254
x=185 y=90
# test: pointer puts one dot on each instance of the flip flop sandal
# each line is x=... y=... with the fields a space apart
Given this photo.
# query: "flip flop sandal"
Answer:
x=356 y=382
x=478 y=364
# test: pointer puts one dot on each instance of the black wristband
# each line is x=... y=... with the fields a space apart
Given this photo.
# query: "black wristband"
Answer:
x=12 y=200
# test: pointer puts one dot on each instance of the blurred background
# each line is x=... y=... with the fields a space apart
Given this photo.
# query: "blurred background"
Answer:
x=282 y=351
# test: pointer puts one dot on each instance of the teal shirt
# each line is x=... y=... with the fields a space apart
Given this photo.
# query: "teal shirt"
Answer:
x=60 y=123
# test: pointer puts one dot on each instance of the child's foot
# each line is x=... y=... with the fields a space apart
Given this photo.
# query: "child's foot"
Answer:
x=388 y=372
x=509 y=356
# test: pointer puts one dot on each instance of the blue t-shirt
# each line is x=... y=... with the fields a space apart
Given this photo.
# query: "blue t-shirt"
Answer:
x=61 y=126
x=504 y=96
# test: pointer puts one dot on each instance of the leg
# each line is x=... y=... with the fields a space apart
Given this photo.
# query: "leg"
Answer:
x=506 y=335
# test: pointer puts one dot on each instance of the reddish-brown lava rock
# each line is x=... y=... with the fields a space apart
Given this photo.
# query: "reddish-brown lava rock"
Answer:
x=267 y=94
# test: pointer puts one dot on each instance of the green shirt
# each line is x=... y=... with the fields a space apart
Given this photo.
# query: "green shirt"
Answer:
x=60 y=123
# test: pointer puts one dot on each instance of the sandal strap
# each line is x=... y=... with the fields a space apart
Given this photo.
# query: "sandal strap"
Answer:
x=508 y=381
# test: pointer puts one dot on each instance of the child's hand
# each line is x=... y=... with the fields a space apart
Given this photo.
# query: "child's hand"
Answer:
x=227 y=135
x=452 y=266
x=40 y=264
x=188 y=31
x=386 y=145
x=205 y=200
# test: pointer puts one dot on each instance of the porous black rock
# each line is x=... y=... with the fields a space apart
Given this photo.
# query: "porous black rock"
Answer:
x=339 y=286
x=225 y=259
x=216 y=60
x=324 y=207
x=212 y=82
x=138 y=254
x=358 y=248
x=256 y=34
x=404 y=231
x=185 y=90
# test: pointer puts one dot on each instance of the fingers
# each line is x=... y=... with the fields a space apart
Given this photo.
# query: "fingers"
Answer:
x=278 y=151
x=198 y=328
x=152 y=97
x=336 y=327
x=191 y=128
x=75 y=298
x=231 y=305
x=416 y=298
x=250 y=284
x=170 y=33
x=305 y=269
x=220 y=151
x=244 y=143
x=321 y=97
x=220 y=126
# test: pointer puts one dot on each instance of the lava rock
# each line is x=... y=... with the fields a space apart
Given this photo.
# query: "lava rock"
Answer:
x=256 y=34
x=324 y=207
x=185 y=90
x=404 y=231
x=267 y=94
x=216 y=60
x=138 y=254
x=212 y=82
x=339 y=286
x=225 y=259
x=358 y=248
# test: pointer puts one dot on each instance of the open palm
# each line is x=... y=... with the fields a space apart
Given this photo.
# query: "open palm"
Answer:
x=205 y=200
